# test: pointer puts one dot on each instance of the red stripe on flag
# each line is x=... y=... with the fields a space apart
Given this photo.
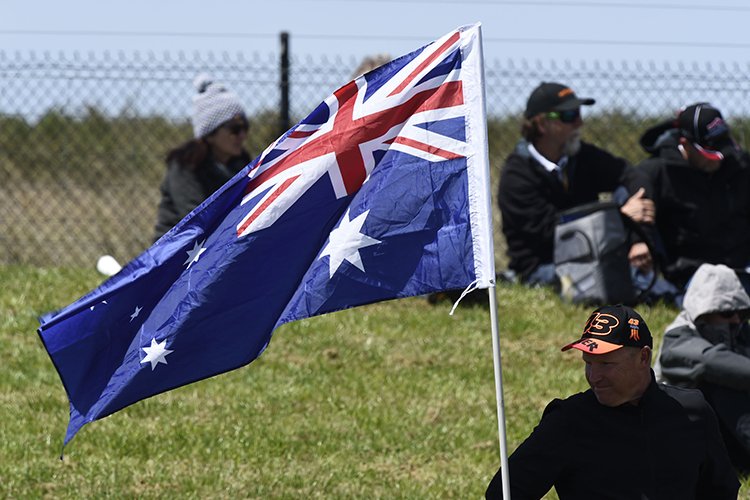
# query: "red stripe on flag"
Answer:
x=297 y=134
x=426 y=147
x=452 y=95
x=426 y=63
x=265 y=204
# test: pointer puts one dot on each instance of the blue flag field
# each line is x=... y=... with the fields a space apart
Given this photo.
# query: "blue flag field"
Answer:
x=382 y=192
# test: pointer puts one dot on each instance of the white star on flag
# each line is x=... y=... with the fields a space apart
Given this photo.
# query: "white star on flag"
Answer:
x=156 y=354
x=345 y=241
x=195 y=253
x=135 y=313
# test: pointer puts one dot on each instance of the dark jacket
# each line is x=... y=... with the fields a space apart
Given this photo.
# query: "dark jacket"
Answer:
x=690 y=354
x=700 y=216
x=531 y=198
x=665 y=448
x=183 y=189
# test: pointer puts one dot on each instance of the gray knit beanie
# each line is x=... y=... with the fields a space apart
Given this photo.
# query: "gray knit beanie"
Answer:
x=213 y=105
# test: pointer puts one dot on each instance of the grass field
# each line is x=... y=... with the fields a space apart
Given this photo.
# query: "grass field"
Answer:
x=394 y=400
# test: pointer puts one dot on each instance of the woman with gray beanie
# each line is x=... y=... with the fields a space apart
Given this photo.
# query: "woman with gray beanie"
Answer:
x=202 y=165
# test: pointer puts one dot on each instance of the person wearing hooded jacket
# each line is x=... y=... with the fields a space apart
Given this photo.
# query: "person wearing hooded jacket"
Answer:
x=701 y=189
x=708 y=347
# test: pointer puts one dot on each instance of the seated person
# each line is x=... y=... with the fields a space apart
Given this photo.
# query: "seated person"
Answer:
x=552 y=170
x=701 y=183
x=627 y=437
x=708 y=347
x=203 y=164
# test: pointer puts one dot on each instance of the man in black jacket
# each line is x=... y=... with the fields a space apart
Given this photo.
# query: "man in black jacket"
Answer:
x=701 y=182
x=625 y=438
x=551 y=170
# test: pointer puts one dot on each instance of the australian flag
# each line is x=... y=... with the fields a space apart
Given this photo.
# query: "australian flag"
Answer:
x=380 y=193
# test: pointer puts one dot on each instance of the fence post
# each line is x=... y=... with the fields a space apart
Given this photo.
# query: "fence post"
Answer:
x=284 y=84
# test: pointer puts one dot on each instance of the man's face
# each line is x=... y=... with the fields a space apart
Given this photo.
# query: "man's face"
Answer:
x=566 y=135
x=696 y=159
x=617 y=377
x=719 y=327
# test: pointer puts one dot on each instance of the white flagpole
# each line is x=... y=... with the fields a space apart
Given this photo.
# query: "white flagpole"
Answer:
x=491 y=290
x=499 y=393
x=481 y=200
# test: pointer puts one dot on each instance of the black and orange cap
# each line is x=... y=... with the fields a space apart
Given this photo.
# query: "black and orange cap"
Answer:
x=610 y=328
x=553 y=97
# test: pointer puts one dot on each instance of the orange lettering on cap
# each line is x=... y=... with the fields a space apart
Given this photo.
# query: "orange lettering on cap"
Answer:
x=634 y=334
x=564 y=92
x=601 y=324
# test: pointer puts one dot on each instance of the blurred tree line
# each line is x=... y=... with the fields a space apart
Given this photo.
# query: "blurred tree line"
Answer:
x=76 y=187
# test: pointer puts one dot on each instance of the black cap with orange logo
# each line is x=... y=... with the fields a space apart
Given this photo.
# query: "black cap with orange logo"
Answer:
x=611 y=327
x=553 y=97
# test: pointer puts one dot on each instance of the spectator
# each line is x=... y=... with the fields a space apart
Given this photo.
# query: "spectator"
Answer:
x=627 y=437
x=701 y=182
x=551 y=170
x=707 y=347
x=202 y=165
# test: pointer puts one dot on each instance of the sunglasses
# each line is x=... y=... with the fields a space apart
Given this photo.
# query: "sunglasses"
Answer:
x=728 y=314
x=568 y=116
x=237 y=127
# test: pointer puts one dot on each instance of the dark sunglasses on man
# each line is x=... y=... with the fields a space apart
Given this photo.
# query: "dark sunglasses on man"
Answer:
x=567 y=116
x=729 y=314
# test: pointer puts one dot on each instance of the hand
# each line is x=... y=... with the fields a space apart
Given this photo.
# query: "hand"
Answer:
x=640 y=257
x=640 y=209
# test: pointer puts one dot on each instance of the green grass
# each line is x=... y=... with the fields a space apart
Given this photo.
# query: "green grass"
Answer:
x=394 y=400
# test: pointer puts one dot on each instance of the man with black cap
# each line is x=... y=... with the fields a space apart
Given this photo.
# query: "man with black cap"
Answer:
x=551 y=170
x=701 y=182
x=627 y=437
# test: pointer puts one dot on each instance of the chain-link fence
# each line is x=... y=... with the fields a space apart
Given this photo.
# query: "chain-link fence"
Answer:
x=83 y=138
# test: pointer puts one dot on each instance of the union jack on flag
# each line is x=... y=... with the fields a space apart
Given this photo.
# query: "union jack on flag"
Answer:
x=382 y=192
x=341 y=137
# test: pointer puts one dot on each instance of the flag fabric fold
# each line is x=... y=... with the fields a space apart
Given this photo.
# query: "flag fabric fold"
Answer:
x=382 y=192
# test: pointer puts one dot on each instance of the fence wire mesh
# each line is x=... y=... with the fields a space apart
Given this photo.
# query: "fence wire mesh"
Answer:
x=83 y=138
